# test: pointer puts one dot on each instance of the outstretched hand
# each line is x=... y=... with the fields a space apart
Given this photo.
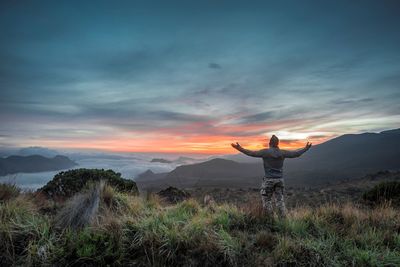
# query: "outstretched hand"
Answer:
x=236 y=146
x=308 y=145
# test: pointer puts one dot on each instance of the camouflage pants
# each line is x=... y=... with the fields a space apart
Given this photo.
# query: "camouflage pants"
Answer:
x=270 y=188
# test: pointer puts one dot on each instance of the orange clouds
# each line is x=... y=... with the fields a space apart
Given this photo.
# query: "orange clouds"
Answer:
x=202 y=144
x=208 y=136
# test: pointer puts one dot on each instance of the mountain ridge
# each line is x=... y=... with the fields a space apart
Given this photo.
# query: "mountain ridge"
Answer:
x=344 y=157
x=34 y=163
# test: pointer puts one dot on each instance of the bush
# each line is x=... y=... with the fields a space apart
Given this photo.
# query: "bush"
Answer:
x=385 y=191
x=89 y=247
x=66 y=184
x=173 y=195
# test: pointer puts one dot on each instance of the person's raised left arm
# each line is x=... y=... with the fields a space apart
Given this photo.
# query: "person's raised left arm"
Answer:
x=296 y=153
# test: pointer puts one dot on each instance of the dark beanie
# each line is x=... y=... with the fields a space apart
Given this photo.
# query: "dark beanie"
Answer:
x=274 y=141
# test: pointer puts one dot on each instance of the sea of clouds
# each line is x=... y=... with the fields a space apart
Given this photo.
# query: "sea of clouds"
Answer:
x=129 y=165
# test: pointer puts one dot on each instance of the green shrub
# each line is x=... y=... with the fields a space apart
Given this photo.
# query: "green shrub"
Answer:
x=90 y=246
x=229 y=217
x=294 y=227
x=371 y=257
x=66 y=184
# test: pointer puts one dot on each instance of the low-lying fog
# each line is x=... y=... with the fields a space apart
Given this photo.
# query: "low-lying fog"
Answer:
x=128 y=165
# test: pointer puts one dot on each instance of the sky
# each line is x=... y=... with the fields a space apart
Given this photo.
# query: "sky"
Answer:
x=194 y=76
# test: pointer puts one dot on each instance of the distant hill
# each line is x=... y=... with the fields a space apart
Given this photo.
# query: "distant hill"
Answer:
x=215 y=168
x=161 y=160
x=344 y=157
x=187 y=160
x=7 y=151
x=37 y=150
x=34 y=163
x=178 y=161
x=213 y=173
x=149 y=176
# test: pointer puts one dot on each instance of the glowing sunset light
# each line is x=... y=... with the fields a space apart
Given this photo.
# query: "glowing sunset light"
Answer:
x=204 y=144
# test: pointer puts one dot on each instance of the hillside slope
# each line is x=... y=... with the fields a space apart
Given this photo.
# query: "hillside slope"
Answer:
x=372 y=150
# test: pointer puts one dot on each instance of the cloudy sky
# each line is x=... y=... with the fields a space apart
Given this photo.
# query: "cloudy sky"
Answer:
x=193 y=76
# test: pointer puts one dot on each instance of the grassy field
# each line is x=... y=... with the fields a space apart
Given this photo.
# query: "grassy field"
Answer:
x=101 y=226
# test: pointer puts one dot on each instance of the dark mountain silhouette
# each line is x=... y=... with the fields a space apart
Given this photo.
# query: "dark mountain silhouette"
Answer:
x=344 y=157
x=187 y=160
x=34 y=163
x=348 y=156
x=211 y=173
x=357 y=151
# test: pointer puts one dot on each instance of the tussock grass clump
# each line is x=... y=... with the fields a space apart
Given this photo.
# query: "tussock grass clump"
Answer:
x=98 y=204
x=178 y=235
x=114 y=200
x=173 y=195
x=265 y=240
x=229 y=217
x=8 y=191
x=81 y=209
x=26 y=237
x=131 y=231
x=229 y=245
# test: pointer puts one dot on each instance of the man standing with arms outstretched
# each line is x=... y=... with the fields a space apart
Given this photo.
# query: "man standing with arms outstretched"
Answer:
x=272 y=184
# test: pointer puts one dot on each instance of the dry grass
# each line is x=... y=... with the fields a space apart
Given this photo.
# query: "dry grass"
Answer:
x=81 y=209
x=265 y=240
x=128 y=230
x=8 y=191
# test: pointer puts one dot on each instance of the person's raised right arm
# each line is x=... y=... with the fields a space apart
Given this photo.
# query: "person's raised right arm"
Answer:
x=251 y=153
